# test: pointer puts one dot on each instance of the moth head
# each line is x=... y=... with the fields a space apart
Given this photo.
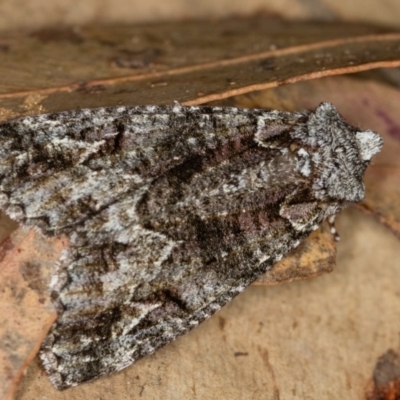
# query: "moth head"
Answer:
x=340 y=153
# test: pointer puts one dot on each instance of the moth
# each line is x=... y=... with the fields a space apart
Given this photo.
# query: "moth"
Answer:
x=170 y=211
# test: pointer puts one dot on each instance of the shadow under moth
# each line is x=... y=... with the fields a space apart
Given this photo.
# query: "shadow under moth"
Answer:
x=170 y=211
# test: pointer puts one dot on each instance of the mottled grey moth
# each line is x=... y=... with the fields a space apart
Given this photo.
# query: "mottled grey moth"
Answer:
x=171 y=211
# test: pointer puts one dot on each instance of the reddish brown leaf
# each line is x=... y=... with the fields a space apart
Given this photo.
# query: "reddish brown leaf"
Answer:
x=26 y=313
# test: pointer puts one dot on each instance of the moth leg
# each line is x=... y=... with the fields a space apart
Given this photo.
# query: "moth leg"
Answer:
x=334 y=232
x=301 y=215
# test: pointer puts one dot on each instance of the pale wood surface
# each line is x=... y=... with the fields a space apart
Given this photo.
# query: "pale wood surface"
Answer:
x=37 y=14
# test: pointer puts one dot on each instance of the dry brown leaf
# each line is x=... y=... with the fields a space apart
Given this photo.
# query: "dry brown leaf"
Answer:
x=26 y=312
x=192 y=62
x=386 y=379
x=315 y=256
